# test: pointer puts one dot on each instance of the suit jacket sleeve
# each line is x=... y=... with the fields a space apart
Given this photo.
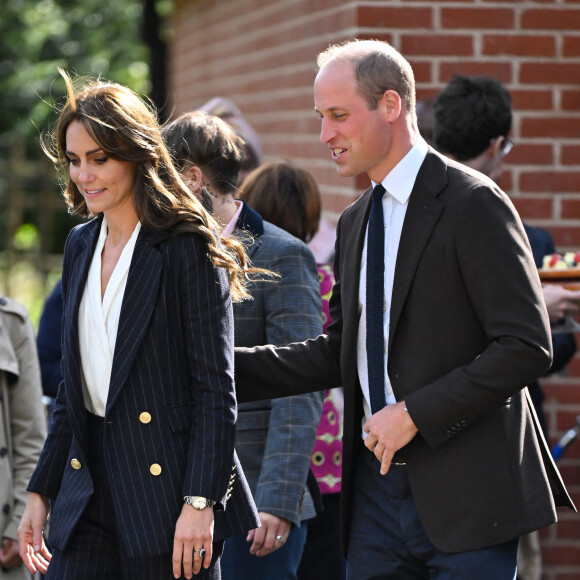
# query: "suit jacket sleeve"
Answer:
x=564 y=344
x=47 y=476
x=48 y=342
x=293 y=313
x=265 y=372
x=495 y=263
x=208 y=332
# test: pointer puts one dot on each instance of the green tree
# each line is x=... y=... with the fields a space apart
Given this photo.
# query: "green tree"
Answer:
x=89 y=37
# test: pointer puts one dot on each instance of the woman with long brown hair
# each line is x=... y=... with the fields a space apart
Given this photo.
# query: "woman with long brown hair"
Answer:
x=139 y=471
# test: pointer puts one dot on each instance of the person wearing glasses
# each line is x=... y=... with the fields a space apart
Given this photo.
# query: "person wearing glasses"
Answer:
x=472 y=123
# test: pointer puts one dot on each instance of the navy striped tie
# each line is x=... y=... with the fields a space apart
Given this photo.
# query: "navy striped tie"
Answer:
x=375 y=297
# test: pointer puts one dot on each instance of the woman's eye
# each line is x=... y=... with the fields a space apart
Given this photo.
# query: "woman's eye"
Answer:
x=73 y=162
x=101 y=160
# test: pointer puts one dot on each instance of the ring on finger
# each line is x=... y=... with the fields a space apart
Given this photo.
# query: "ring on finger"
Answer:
x=280 y=538
x=200 y=553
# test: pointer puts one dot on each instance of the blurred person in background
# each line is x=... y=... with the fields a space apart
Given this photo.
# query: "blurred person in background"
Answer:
x=229 y=112
x=472 y=121
x=48 y=342
x=274 y=438
x=288 y=197
x=22 y=428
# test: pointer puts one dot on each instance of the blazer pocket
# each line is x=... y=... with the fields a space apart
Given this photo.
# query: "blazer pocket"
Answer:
x=180 y=417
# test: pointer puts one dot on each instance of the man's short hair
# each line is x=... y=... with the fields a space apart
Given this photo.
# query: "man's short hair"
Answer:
x=470 y=113
x=378 y=67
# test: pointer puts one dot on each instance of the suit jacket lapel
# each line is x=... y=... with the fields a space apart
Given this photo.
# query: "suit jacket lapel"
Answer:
x=352 y=250
x=138 y=304
x=78 y=266
x=422 y=214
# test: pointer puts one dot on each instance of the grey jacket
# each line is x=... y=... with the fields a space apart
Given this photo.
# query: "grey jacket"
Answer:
x=275 y=438
x=22 y=418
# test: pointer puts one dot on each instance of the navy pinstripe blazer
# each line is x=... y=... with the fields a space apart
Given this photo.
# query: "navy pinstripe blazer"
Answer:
x=275 y=437
x=174 y=360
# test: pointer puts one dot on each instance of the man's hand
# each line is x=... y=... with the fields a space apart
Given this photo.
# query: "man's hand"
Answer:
x=560 y=301
x=193 y=532
x=389 y=430
x=9 y=554
x=266 y=538
x=33 y=551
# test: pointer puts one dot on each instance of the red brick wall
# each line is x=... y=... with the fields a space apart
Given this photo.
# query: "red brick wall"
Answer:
x=261 y=54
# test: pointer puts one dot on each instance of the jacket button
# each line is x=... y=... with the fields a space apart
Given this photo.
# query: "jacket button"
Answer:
x=3 y=452
x=155 y=469
x=6 y=509
x=75 y=464
x=145 y=417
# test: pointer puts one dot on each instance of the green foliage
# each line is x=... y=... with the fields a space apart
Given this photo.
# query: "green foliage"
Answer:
x=89 y=37
x=26 y=238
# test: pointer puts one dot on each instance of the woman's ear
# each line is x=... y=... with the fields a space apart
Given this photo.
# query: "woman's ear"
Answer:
x=193 y=176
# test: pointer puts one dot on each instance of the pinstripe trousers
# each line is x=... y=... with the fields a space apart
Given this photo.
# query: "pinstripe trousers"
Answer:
x=95 y=550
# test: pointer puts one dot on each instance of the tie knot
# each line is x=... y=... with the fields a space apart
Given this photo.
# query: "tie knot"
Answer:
x=378 y=191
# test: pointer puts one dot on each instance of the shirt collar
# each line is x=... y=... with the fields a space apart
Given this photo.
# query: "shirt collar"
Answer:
x=400 y=180
x=227 y=231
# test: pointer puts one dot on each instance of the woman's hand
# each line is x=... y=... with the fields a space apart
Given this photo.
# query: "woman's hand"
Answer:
x=193 y=533
x=33 y=550
x=270 y=536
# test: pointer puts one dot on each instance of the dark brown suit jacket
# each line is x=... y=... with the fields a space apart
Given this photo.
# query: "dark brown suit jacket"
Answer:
x=468 y=331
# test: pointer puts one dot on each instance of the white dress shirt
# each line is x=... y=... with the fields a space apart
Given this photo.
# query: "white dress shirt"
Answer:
x=99 y=322
x=398 y=185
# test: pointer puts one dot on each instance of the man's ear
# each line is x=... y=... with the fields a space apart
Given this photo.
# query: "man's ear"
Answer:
x=193 y=176
x=392 y=103
x=494 y=149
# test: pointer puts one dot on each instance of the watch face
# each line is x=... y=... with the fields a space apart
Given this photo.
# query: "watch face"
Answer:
x=199 y=503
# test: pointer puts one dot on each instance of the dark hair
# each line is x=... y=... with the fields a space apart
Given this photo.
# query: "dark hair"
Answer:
x=425 y=119
x=378 y=67
x=286 y=196
x=209 y=143
x=126 y=128
x=469 y=113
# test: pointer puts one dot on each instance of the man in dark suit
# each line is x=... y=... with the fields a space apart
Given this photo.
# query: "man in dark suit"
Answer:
x=454 y=467
x=472 y=121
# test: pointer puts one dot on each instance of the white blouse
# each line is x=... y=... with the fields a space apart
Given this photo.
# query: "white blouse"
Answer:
x=99 y=322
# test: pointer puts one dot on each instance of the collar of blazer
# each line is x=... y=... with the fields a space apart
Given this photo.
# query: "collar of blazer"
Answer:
x=138 y=301
x=250 y=221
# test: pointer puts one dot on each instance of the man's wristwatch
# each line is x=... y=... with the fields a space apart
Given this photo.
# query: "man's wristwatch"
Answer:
x=198 y=502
